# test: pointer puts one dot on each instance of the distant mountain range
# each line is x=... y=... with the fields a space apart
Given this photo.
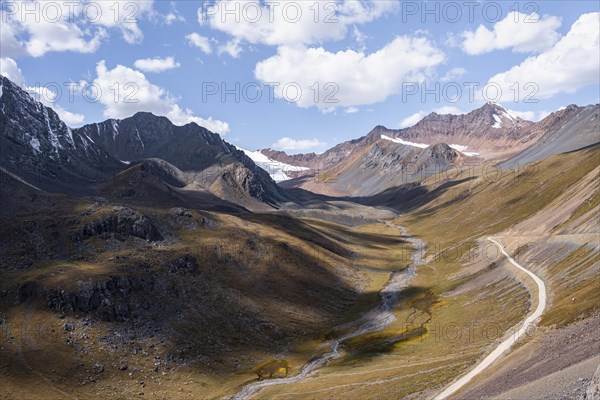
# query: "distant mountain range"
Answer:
x=190 y=161
x=390 y=157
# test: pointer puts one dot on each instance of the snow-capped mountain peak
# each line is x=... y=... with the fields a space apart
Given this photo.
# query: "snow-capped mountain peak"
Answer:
x=502 y=117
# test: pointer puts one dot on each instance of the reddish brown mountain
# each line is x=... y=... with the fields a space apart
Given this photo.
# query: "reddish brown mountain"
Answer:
x=390 y=157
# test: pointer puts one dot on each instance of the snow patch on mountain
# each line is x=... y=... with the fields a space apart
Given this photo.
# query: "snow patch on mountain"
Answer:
x=52 y=135
x=498 y=123
x=503 y=114
x=508 y=115
x=87 y=143
x=405 y=142
x=457 y=147
x=276 y=169
x=115 y=126
x=137 y=134
x=70 y=137
x=35 y=144
x=462 y=149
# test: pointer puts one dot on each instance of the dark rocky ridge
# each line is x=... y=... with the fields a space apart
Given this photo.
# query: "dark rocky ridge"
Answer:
x=488 y=124
x=189 y=148
x=37 y=146
x=41 y=149
x=122 y=221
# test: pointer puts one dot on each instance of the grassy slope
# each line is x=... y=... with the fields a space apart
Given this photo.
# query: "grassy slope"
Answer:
x=470 y=296
x=295 y=277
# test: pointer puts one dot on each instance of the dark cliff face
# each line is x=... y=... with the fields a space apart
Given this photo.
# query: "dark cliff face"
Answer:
x=41 y=149
x=145 y=135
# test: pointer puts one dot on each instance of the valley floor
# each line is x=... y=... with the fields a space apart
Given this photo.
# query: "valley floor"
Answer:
x=200 y=302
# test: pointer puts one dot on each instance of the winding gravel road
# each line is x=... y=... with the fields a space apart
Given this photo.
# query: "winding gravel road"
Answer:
x=506 y=345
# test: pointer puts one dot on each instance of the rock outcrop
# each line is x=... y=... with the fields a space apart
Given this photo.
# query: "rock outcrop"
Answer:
x=108 y=299
x=121 y=221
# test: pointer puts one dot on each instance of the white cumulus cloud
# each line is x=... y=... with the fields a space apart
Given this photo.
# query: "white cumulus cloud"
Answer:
x=517 y=31
x=156 y=64
x=126 y=91
x=231 y=47
x=122 y=15
x=69 y=118
x=10 y=69
x=201 y=42
x=291 y=22
x=289 y=144
x=454 y=73
x=572 y=63
x=317 y=77
x=38 y=27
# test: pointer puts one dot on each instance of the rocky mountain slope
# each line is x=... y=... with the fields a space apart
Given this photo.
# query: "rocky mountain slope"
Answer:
x=489 y=130
x=41 y=149
x=382 y=165
x=217 y=165
x=490 y=133
x=565 y=130
x=117 y=281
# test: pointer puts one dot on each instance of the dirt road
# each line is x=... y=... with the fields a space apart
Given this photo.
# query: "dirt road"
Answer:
x=505 y=345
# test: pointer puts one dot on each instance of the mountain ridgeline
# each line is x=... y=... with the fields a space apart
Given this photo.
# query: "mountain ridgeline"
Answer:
x=386 y=158
x=41 y=149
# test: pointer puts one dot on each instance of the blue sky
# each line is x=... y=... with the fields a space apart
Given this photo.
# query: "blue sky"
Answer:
x=373 y=58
